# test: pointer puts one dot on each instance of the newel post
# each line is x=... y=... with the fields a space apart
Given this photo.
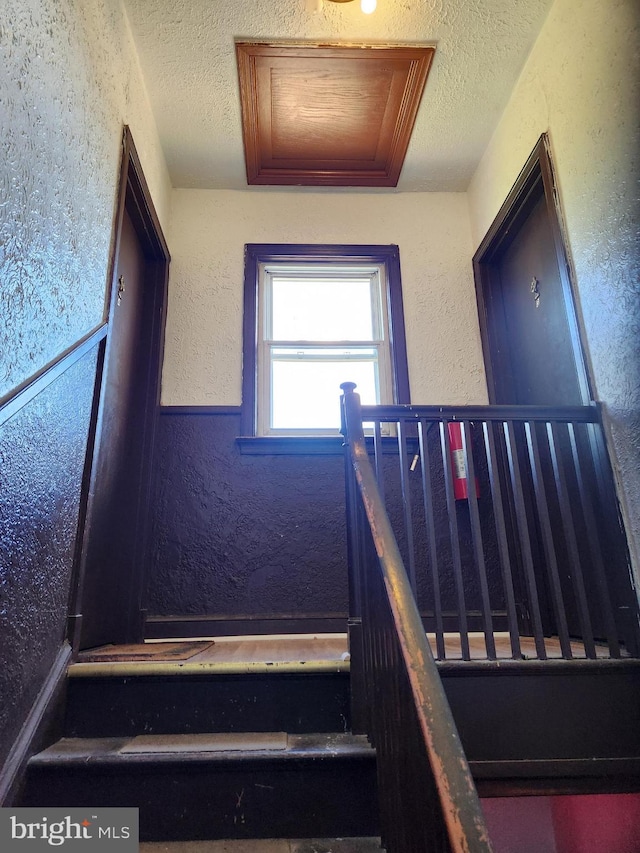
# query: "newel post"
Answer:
x=351 y=429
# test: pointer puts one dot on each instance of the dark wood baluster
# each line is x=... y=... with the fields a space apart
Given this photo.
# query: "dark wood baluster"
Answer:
x=595 y=548
x=427 y=496
x=455 y=542
x=406 y=502
x=553 y=434
x=547 y=540
x=501 y=532
x=524 y=537
x=476 y=535
x=379 y=460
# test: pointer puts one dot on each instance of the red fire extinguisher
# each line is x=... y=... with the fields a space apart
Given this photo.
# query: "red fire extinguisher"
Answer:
x=458 y=467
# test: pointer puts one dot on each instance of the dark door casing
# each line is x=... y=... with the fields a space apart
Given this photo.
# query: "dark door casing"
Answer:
x=108 y=606
x=528 y=322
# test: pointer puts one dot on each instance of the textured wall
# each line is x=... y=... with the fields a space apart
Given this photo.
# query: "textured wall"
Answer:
x=203 y=354
x=244 y=534
x=264 y=535
x=69 y=81
x=582 y=84
x=41 y=459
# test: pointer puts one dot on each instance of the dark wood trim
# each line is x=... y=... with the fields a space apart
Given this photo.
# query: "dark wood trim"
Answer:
x=290 y=445
x=29 y=389
x=160 y=627
x=43 y=710
x=556 y=777
x=257 y=253
x=536 y=178
x=310 y=445
x=564 y=414
x=200 y=410
x=133 y=193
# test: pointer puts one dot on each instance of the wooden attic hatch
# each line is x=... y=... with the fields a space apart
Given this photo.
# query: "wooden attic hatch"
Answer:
x=337 y=116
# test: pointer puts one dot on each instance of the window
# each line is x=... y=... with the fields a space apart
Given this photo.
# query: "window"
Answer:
x=317 y=316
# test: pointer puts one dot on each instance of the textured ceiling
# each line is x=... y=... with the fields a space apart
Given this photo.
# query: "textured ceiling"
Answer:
x=186 y=50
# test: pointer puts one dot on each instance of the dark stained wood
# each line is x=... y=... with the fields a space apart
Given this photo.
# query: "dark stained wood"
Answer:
x=552 y=522
x=427 y=498
x=318 y=115
x=454 y=540
x=532 y=355
x=427 y=796
x=107 y=597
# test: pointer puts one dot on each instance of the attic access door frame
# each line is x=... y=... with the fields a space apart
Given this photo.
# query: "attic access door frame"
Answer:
x=112 y=543
x=535 y=185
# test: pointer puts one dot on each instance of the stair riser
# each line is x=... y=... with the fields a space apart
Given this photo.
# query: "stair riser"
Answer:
x=575 y=712
x=115 y=707
x=323 y=798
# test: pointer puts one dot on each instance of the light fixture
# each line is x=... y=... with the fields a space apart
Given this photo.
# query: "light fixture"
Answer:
x=367 y=6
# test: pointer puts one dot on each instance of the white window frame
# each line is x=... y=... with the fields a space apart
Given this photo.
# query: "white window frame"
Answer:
x=267 y=345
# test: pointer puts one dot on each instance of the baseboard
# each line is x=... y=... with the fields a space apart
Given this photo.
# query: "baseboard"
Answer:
x=161 y=627
x=39 y=718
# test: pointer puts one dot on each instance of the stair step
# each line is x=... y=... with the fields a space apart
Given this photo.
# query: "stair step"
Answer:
x=320 y=785
x=210 y=747
x=269 y=845
x=119 y=706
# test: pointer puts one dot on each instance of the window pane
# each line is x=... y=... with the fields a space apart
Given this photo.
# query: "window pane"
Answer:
x=322 y=309
x=306 y=395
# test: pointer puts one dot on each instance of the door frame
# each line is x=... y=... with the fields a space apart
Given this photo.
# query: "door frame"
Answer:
x=133 y=195
x=536 y=176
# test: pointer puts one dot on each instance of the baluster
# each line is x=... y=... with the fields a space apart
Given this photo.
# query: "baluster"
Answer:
x=524 y=537
x=501 y=532
x=476 y=534
x=406 y=503
x=577 y=576
x=595 y=548
x=547 y=540
x=427 y=496
x=379 y=459
x=455 y=542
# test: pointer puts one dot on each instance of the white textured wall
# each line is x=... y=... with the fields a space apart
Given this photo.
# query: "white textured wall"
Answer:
x=69 y=80
x=203 y=354
x=582 y=85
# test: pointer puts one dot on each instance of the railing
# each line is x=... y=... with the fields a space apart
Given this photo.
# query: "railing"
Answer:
x=524 y=554
x=506 y=519
x=428 y=800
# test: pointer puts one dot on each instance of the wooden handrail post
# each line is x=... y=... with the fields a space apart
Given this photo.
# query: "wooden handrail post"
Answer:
x=351 y=413
x=350 y=418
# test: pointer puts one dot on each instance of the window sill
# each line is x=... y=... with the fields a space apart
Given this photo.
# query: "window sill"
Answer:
x=310 y=445
x=290 y=445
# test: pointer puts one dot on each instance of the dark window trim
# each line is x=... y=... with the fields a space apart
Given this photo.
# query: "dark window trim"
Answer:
x=258 y=253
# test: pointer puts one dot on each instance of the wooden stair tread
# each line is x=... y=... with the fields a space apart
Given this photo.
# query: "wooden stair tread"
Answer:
x=93 y=751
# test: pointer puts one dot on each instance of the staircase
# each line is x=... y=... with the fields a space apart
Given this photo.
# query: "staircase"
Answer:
x=255 y=751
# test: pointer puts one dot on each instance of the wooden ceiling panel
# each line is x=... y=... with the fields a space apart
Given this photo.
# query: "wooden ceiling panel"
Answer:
x=328 y=116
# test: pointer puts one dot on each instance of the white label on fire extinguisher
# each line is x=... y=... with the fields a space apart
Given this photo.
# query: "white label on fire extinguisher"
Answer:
x=460 y=472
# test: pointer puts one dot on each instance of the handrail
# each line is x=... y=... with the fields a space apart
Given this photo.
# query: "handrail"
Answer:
x=563 y=414
x=458 y=798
